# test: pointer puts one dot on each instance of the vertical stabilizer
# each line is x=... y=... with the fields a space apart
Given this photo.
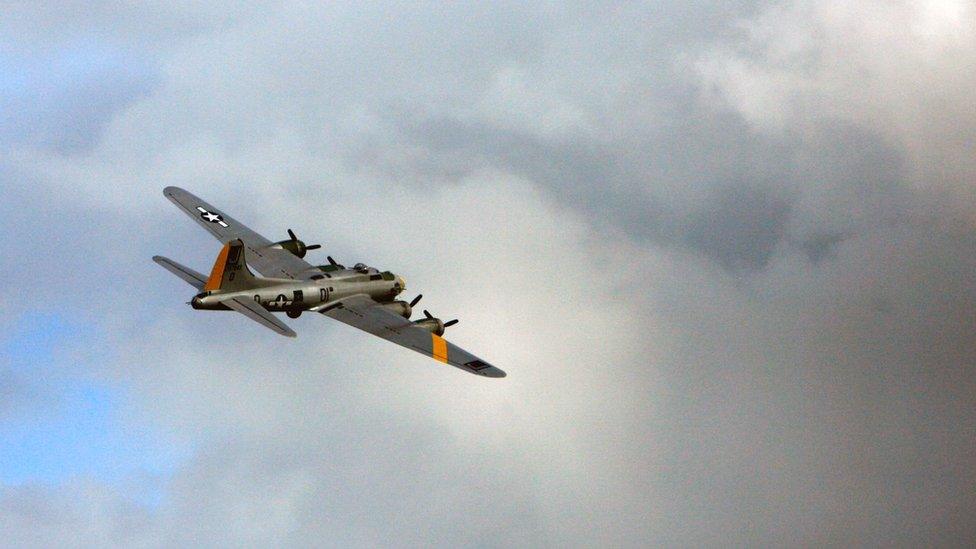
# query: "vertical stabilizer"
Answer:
x=230 y=271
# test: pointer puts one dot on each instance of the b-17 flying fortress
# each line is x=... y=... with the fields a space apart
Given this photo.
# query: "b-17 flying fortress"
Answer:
x=361 y=296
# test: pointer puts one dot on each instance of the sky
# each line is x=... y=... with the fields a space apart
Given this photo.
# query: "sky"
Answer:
x=723 y=250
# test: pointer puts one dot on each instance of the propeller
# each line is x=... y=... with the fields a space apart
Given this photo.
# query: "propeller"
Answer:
x=300 y=247
x=333 y=262
x=416 y=300
x=446 y=324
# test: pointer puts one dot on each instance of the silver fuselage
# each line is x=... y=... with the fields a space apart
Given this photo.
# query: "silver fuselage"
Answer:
x=288 y=295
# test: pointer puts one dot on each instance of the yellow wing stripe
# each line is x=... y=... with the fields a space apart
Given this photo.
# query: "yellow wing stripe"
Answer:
x=217 y=273
x=440 y=348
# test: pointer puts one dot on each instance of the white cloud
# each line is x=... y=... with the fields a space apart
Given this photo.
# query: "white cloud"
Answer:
x=902 y=70
x=541 y=449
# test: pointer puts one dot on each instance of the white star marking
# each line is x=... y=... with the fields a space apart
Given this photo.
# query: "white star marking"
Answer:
x=211 y=217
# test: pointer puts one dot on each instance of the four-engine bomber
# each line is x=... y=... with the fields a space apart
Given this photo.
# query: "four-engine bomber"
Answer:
x=362 y=296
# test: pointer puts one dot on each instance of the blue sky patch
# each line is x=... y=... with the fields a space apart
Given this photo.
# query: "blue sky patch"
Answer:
x=68 y=422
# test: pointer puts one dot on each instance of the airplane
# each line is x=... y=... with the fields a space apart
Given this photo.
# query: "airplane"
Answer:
x=362 y=297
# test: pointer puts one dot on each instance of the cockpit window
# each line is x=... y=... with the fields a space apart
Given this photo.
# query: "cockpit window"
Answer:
x=361 y=267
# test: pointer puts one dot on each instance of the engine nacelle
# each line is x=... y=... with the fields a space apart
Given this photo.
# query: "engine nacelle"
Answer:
x=434 y=325
x=401 y=308
x=296 y=247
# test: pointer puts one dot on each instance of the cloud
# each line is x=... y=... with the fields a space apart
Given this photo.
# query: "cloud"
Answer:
x=732 y=294
x=901 y=70
x=74 y=514
x=475 y=444
x=63 y=101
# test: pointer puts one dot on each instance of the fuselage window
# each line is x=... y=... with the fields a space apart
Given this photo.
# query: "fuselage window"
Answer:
x=299 y=296
x=375 y=277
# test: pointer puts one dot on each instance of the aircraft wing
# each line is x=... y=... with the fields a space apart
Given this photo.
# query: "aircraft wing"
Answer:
x=362 y=312
x=270 y=262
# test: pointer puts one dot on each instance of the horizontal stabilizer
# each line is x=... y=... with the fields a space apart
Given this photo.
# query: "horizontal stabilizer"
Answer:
x=192 y=277
x=259 y=314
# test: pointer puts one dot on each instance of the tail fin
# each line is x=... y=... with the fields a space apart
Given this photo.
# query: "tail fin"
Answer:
x=230 y=272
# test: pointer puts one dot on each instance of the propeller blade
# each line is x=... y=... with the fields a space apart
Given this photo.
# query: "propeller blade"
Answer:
x=427 y=314
x=332 y=261
x=313 y=247
x=450 y=323
x=291 y=233
x=416 y=299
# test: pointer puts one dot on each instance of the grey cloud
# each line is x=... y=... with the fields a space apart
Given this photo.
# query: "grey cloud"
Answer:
x=742 y=228
x=656 y=396
x=821 y=246
x=77 y=514
x=671 y=191
x=808 y=404
x=800 y=63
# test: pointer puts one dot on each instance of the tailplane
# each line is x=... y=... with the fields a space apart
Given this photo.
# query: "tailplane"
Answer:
x=192 y=277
